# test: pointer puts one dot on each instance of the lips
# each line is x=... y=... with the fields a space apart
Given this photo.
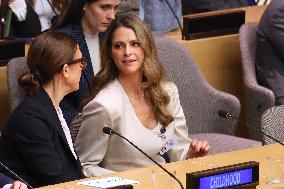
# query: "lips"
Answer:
x=105 y=24
x=128 y=61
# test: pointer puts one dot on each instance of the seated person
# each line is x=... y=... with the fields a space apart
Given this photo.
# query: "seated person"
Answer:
x=36 y=142
x=158 y=15
x=31 y=17
x=131 y=97
x=270 y=50
x=85 y=21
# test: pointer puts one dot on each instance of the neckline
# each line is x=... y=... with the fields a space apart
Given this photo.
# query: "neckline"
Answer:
x=91 y=35
x=125 y=96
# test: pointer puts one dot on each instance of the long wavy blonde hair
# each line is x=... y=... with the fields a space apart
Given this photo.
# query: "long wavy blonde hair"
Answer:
x=153 y=74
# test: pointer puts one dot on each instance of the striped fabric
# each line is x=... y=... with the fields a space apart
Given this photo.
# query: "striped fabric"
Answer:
x=272 y=122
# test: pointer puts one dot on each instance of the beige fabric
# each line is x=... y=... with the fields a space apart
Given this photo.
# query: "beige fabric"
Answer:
x=112 y=108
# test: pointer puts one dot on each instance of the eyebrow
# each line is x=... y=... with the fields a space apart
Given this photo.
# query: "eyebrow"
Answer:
x=135 y=40
x=109 y=5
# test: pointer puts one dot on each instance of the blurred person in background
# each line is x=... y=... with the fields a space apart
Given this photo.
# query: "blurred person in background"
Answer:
x=31 y=17
x=86 y=21
x=270 y=50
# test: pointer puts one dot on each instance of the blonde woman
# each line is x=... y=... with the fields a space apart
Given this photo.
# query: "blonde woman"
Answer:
x=131 y=97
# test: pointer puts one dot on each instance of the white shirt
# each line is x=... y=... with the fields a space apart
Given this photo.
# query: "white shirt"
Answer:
x=42 y=8
x=66 y=131
x=102 y=154
x=93 y=44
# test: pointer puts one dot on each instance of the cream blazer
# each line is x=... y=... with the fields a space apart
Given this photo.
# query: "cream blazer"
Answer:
x=102 y=154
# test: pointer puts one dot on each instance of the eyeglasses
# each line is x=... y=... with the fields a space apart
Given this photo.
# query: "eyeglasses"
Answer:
x=82 y=60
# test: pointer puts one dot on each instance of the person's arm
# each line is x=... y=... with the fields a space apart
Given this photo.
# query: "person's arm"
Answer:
x=91 y=143
x=19 y=8
x=185 y=147
x=180 y=150
x=276 y=31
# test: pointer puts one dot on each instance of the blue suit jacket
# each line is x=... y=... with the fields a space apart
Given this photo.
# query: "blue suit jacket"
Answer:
x=70 y=103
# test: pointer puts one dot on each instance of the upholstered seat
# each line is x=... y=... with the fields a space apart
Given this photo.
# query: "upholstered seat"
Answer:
x=257 y=98
x=200 y=101
x=15 y=68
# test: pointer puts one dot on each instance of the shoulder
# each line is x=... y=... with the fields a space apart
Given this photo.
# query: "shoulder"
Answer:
x=34 y=109
x=170 y=88
x=110 y=98
x=72 y=29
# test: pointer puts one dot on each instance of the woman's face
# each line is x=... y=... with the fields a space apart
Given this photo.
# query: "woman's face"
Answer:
x=126 y=52
x=75 y=70
x=98 y=15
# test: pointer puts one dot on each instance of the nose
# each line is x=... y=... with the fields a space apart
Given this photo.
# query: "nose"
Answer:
x=128 y=50
x=111 y=14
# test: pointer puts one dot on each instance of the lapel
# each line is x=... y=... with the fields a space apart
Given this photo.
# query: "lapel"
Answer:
x=50 y=109
x=78 y=34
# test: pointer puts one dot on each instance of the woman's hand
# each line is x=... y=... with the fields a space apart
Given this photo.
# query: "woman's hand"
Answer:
x=198 y=149
x=18 y=185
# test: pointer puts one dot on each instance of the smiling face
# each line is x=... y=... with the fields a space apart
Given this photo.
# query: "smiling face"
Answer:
x=98 y=15
x=126 y=52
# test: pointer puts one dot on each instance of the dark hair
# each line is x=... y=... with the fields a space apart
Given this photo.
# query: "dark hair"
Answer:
x=47 y=54
x=72 y=13
x=153 y=73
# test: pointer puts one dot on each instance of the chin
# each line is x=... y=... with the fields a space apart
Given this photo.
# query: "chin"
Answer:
x=103 y=29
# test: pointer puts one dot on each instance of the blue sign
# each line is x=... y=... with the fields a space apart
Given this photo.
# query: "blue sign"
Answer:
x=224 y=180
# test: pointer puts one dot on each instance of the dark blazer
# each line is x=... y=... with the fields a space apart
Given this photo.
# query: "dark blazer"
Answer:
x=34 y=145
x=30 y=27
x=4 y=180
x=70 y=103
x=270 y=49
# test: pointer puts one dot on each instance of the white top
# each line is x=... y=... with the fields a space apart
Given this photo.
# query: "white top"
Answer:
x=7 y=186
x=93 y=44
x=101 y=154
x=66 y=131
x=42 y=8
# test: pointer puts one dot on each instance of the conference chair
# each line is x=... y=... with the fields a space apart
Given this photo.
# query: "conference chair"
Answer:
x=272 y=122
x=257 y=98
x=15 y=68
x=200 y=101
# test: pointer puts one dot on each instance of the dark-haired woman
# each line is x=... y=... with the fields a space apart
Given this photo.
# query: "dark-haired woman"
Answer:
x=31 y=17
x=36 y=141
x=131 y=96
x=85 y=21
